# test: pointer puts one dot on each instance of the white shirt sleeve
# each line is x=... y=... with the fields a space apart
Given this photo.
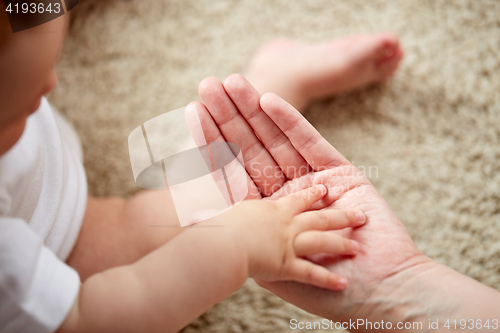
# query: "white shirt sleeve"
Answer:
x=37 y=289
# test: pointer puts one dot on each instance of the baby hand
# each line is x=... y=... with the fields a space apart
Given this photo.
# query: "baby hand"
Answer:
x=277 y=236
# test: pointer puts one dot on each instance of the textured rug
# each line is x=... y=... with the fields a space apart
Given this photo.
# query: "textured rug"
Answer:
x=428 y=139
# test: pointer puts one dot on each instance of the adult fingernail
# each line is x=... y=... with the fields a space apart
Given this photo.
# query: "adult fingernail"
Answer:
x=361 y=217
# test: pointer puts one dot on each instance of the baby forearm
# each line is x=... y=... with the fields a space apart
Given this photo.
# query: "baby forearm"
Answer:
x=114 y=224
x=165 y=290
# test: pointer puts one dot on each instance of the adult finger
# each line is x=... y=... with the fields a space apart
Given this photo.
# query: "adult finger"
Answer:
x=314 y=242
x=198 y=116
x=259 y=164
x=300 y=201
x=318 y=152
x=247 y=100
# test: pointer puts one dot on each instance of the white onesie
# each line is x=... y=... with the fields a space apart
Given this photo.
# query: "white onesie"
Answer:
x=43 y=195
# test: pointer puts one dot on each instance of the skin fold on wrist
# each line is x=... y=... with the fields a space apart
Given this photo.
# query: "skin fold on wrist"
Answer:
x=431 y=294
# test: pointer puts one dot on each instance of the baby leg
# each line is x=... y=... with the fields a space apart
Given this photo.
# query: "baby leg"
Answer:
x=301 y=72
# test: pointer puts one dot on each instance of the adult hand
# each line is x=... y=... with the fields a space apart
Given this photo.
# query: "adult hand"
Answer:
x=283 y=153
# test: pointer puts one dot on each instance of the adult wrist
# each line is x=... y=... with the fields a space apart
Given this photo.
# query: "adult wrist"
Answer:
x=400 y=298
x=428 y=296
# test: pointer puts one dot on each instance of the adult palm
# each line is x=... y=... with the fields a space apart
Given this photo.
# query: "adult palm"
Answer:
x=282 y=153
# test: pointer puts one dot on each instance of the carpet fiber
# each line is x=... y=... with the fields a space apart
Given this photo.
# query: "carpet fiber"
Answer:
x=428 y=139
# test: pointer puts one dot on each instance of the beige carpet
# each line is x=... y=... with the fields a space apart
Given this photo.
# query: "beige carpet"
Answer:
x=431 y=135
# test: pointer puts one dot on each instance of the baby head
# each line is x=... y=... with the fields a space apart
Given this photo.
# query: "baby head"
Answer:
x=27 y=60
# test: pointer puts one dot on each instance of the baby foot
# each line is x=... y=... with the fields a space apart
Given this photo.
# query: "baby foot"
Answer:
x=301 y=72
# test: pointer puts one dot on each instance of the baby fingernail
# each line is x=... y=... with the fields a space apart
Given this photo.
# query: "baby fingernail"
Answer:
x=361 y=217
x=321 y=188
x=355 y=247
x=342 y=283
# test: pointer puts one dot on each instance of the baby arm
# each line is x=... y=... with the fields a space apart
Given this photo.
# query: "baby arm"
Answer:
x=174 y=284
